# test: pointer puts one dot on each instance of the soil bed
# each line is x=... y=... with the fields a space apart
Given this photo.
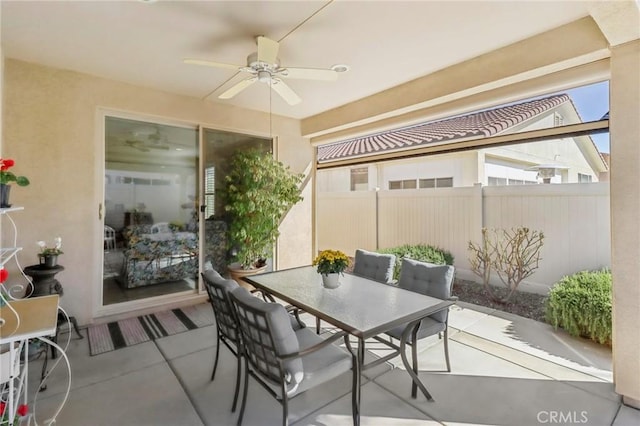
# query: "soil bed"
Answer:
x=528 y=305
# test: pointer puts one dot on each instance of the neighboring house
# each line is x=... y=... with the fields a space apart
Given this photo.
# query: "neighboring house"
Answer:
x=577 y=158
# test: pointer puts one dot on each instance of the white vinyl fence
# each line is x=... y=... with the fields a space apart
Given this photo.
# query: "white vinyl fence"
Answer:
x=573 y=217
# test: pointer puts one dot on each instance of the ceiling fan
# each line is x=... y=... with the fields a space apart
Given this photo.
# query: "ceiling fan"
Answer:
x=264 y=66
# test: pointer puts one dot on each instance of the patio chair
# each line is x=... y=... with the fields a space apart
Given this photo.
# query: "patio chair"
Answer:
x=218 y=289
x=284 y=361
x=431 y=280
x=109 y=238
x=376 y=266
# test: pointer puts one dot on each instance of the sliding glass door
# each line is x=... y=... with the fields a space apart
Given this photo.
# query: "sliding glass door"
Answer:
x=151 y=245
x=218 y=149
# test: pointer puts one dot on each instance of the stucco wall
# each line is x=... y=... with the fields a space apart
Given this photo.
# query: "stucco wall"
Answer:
x=51 y=128
x=625 y=210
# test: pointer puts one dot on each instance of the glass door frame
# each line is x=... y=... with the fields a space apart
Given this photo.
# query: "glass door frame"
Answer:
x=99 y=309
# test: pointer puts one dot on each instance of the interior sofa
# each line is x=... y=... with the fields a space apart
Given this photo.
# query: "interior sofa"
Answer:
x=157 y=257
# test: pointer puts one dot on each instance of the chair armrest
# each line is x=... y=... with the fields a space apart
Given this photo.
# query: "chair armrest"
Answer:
x=265 y=296
x=314 y=348
x=292 y=310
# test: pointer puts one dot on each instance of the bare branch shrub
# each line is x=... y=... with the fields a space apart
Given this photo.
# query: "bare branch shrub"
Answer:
x=480 y=260
x=514 y=254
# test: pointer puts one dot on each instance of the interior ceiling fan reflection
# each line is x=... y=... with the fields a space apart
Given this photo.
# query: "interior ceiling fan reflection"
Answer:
x=146 y=139
x=264 y=66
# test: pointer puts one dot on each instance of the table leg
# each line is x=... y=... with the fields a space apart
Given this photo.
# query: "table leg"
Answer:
x=358 y=360
x=414 y=375
x=359 y=364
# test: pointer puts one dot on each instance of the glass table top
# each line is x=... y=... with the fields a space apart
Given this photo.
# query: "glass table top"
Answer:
x=360 y=306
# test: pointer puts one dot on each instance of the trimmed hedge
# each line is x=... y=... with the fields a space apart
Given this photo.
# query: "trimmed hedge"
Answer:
x=581 y=304
x=421 y=252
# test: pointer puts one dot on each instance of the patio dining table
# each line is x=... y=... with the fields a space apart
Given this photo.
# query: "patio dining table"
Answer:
x=362 y=307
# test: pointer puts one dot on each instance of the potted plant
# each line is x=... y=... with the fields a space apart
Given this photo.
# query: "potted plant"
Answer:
x=259 y=191
x=49 y=255
x=331 y=264
x=6 y=177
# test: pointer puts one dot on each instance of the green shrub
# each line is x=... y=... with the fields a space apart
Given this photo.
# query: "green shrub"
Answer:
x=581 y=304
x=421 y=252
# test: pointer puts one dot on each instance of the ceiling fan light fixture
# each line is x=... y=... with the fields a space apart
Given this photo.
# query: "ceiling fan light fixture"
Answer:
x=264 y=76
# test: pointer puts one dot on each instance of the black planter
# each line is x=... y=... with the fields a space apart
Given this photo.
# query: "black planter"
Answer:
x=4 y=195
x=49 y=261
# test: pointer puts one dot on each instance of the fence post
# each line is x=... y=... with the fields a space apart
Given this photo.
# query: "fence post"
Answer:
x=477 y=213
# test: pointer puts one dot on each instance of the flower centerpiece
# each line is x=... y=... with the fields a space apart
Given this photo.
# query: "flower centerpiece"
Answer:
x=6 y=177
x=330 y=264
x=49 y=255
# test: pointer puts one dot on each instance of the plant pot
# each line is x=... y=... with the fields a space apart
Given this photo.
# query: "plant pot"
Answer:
x=331 y=280
x=237 y=273
x=49 y=261
x=4 y=195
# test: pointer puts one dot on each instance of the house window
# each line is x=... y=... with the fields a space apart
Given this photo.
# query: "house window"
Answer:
x=209 y=191
x=360 y=179
x=427 y=183
x=402 y=184
x=436 y=183
x=515 y=182
x=558 y=120
x=444 y=182
x=584 y=178
x=496 y=181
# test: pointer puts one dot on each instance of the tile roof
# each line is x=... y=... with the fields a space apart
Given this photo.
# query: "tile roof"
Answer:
x=484 y=123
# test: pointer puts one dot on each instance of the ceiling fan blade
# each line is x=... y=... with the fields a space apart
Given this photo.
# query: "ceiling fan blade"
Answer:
x=309 y=73
x=267 y=50
x=285 y=91
x=136 y=145
x=211 y=64
x=237 y=88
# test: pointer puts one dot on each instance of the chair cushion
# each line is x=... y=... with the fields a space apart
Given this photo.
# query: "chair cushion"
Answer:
x=428 y=279
x=376 y=266
x=284 y=338
x=211 y=275
x=321 y=365
x=214 y=277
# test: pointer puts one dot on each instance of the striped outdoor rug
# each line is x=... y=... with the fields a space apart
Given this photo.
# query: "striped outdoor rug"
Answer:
x=120 y=334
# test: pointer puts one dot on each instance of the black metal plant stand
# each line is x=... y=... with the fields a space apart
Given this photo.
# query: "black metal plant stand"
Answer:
x=44 y=284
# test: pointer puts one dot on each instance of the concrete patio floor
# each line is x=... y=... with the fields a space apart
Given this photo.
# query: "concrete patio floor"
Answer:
x=506 y=370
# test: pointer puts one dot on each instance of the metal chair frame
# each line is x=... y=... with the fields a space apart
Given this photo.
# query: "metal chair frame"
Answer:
x=263 y=362
x=414 y=340
x=225 y=321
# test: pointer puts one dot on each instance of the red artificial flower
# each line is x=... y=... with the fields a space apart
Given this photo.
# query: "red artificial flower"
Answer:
x=7 y=163
x=4 y=274
x=3 y=405
x=23 y=410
